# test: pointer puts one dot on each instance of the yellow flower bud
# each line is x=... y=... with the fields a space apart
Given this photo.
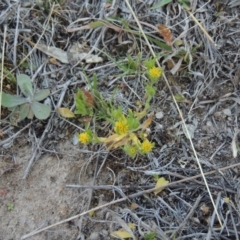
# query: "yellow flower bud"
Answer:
x=84 y=138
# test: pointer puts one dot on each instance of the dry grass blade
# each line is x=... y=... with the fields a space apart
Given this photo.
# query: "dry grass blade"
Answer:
x=3 y=52
x=202 y=28
x=179 y=111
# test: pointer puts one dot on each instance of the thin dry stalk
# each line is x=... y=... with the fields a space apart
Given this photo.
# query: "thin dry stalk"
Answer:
x=3 y=53
x=178 y=108
x=202 y=28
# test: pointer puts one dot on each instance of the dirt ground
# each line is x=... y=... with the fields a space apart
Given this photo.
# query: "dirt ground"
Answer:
x=47 y=177
x=43 y=199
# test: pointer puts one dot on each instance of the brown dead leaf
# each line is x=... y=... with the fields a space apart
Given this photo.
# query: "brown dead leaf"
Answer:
x=89 y=97
x=148 y=122
x=134 y=206
x=166 y=33
x=54 y=61
x=3 y=192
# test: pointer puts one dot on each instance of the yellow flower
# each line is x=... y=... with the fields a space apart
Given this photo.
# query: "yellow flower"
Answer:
x=130 y=150
x=84 y=138
x=146 y=146
x=155 y=72
x=121 y=128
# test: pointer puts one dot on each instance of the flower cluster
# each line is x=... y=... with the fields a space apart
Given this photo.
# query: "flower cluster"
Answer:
x=121 y=127
x=128 y=132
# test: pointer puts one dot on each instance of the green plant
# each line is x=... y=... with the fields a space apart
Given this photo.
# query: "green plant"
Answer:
x=128 y=131
x=29 y=105
x=150 y=236
x=10 y=206
x=184 y=3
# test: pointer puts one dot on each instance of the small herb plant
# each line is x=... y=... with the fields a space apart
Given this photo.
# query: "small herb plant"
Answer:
x=128 y=131
x=29 y=105
x=10 y=206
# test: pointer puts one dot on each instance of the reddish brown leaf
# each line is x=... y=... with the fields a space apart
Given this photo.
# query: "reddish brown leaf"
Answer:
x=54 y=61
x=166 y=33
x=89 y=97
x=3 y=192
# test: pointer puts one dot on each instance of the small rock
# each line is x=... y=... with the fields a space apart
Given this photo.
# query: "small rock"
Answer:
x=227 y=112
x=159 y=115
x=104 y=233
x=94 y=236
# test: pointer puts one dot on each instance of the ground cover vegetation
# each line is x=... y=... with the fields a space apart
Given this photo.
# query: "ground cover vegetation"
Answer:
x=141 y=97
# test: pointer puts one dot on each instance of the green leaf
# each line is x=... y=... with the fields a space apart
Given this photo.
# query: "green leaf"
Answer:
x=162 y=45
x=155 y=176
x=9 y=76
x=25 y=84
x=42 y=94
x=179 y=98
x=161 y=3
x=185 y=4
x=96 y=24
x=30 y=114
x=9 y=100
x=15 y=116
x=24 y=111
x=150 y=236
x=10 y=206
x=41 y=111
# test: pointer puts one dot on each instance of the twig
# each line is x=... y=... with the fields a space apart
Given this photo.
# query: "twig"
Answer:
x=105 y=187
x=123 y=199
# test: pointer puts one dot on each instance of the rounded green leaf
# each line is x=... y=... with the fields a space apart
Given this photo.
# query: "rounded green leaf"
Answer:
x=25 y=84
x=41 y=111
x=9 y=100
x=24 y=110
x=42 y=94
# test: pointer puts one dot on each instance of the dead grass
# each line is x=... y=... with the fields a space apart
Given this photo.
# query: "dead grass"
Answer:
x=201 y=65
